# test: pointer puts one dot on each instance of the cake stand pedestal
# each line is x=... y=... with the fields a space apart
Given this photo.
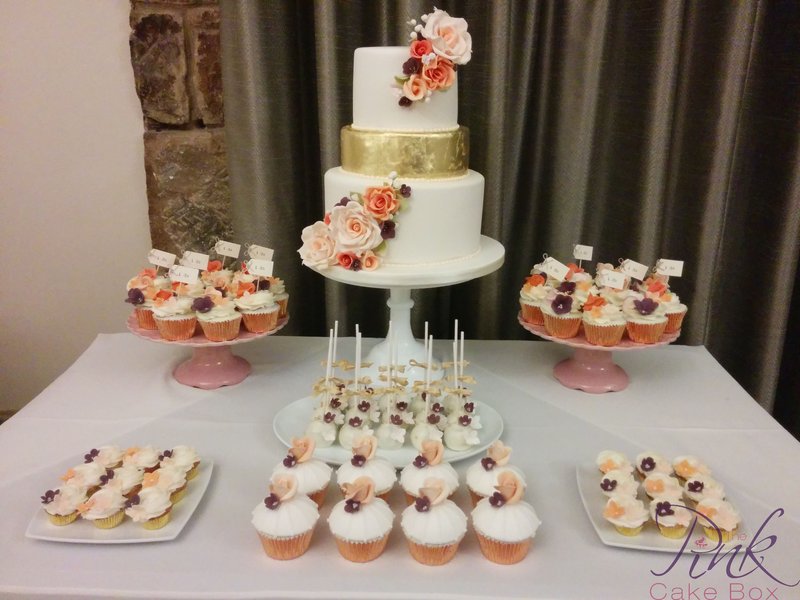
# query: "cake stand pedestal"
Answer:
x=212 y=364
x=400 y=280
x=592 y=368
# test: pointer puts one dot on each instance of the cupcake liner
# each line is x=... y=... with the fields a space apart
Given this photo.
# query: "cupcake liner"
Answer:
x=361 y=551
x=603 y=335
x=432 y=555
x=222 y=331
x=675 y=533
x=144 y=317
x=158 y=522
x=178 y=494
x=319 y=496
x=61 y=520
x=645 y=333
x=260 y=322
x=286 y=548
x=562 y=327
x=503 y=553
x=629 y=531
x=192 y=473
x=475 y=497
x=110 y=522
x=176 y=329
x=410 y=499
x=712 y=536
x=283 y=307
x=531 y=314
x=674 y=321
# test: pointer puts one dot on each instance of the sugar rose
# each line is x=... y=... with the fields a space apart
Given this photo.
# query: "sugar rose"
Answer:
x=353 y=230
x=380 y=202
x=415 y=88
x=439 y=74
x=448 y=36
x=318 y=249
x=370 y=261
x=420 y=48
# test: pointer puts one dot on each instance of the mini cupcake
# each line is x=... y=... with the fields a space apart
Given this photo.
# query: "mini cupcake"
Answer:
x=505 y=525
x=313 y=475
x=361 y=522
x=285 y=520
x=482 y=475
x=562 y=317
x=174 y=318
x=150 y=507
x=105 y=508
x=721 y=519
x=533 y=292
x=662 y=485
x=603 y=323
x=259 y=311
x=673 y=519
x=649 y=462
x=144 y=457
x=701 y=487
x=428 y=464
x=109 y=457
x=86 y=476
x=217 y=316
x=433 y=525
x=61 y=505
x=610 y=460
x=689 y=466
x=170 y=479
x=365 y=463
x=278 y=289
x=645 y=319
x=181 y=457
x=619 y=483
x=628 y=515
x=131 y=478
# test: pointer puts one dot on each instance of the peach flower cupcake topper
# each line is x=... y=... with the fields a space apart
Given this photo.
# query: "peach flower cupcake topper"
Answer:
x=434 y=491
x=361 y=491
x=509 y=487
x=432 y=451
x=499 y=453
x=150 y=479
x=365 y=446
x=284 y=487
x=302 y=449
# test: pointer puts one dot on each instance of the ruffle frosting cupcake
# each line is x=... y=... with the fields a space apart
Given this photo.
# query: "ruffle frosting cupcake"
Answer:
x=285 y=520
x=649 y=462
x=618 y=483
x=366 y=464
x=105 y=508
x=361 y=522
x=701 y=487
x=433 y=525
x=609 y=460
x=182 y=457
x=313 y=475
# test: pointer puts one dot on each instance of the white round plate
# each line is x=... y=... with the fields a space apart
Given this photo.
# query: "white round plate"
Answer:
x=292 y=420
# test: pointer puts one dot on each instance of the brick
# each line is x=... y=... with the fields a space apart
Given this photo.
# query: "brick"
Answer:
x=205 y=70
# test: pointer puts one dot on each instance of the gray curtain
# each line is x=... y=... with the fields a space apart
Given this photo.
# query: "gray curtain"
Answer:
x=646 y=129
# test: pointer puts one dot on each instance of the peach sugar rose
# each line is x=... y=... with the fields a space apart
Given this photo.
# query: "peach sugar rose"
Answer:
x=448 y=36
x=381 y=202
x=415 y=88
x=318 y=249
x=353 y=229
x=439 y=74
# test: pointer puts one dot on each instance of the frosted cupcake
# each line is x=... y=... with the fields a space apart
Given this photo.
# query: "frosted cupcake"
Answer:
x=428 y=464
x=603 y=323
x=701 y=487
x=675 y=311
x=170 y=479
x=562 y=317
x=86 y=476
x=144 y=457
x=313 y=475
x=150 y=507
x=109 y=457
x=533 y=292
x=619 y=483
x=182 y=457
x=628 y=515
x=278 y=289
x=105 y=508
x=141 y=291
x=688 y=466
x=505 y=525
x=721 y=519
x=649 y=462
x=610 y=460
x=285 y=520
x=217 y=316
x=662 y=485
x=482 y=475
x=175 y=318
x=433 y=525
x=259 y=311
x=61 y=505
x=365 y=464
x=131 y=478
x=361 y=522
x=673 y=518
x=645 y=319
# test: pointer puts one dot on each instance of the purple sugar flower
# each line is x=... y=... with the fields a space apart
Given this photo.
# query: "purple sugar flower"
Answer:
x=387 y=230
x=202 y=304
x=264 y=284
x=49 y=496
x=420 y=462
x=132 y=501
x=469 y=406
x=356 y=264
x=272 y=501
x=646 y=306
x=433 y=418
x=488 y=463
x=464 y=420
x=352 y=506
x=289 y=461
x=135 y=297
x=695 y=486
x=412 y=66
x=356 y=422
x=401 y=406
x=91 y=455
x=329 y=417
x=422 y=504
x=648 y=464
x=567 y=287
x=608 y=485
x=561 y=304
x=358 y=460
x=497 y=500
x=404 y=102
x=396 y=420
x=343 y=201
x=664 y=509
x=364 y=406
x=405 y=190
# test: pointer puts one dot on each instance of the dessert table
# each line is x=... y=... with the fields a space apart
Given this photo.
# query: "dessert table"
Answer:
x=679 y=401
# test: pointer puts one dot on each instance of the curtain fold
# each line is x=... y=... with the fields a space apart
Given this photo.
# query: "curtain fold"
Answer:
x=646 y=129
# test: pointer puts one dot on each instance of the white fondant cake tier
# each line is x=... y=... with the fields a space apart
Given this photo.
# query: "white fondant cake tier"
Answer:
x=441 y=221
x=375 y=100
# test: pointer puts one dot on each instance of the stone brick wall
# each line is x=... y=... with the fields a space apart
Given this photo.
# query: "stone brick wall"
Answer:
x=175 y=52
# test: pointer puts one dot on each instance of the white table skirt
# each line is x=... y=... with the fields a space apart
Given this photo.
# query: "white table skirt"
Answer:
x=679 y=401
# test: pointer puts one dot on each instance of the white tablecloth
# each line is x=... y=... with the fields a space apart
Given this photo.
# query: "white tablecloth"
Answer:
x=121 y=391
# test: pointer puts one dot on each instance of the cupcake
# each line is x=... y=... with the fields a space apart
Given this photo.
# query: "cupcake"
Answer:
x=181 y=457
x=217 y=316
x=365 y=463
x=433 y=525
x=645 y=319
x=109 y=457
x=174 y=318
x=170 y=479
x=150 y=507
x=649 y=462
x=628 y=515
x=285 y=520
x=131 y=478
x=361 y=522
x=145 y=458
x=720 y=520
x=688 y=466
x=619 y=483
x=603 y=323
x=482 y=475
x=701 y=487
x=609 y=460
x=61 y=505
x=313 y=475
x=505 y=525
x=259 y=311
x=428 y=464
x=105 y=508
x=675 y=311
x=278 y=289
x=662 y=485
x=673 y=519
x=533 y=292
x=562 y=317
x=141 y=292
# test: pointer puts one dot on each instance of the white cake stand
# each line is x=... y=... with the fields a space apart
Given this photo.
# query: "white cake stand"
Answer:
x=400 y=280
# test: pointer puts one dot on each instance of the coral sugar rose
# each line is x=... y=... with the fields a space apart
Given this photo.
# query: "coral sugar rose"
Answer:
x=439 y=74
x=353 y=229
x=380 y=202
x=420 y=48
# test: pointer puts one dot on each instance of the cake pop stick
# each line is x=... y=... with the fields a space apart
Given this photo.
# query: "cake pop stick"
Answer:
x=461 y=361
x=358 y=355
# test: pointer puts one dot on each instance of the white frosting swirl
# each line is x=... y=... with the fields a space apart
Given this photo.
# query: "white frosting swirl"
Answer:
x=442 y=524
x=170 y=478
x=104 y=503
x=175 y=307
x=153 y=502
x=609 y=460
x=662 y=465
x=224 y=311
x=681 y=517
x=143 y=458
x=661 y=484
x=370 y=522
x=312 y=475
x=184 y=457
x=511 y=522
x=108 y=456
x=608 y=314
x=291 y=518
x=86 y=475
x=625 y=483
x=634 y=316
x=130 y=476
x=277 y=286
x=688 y=466
x=721 y=512
x=262 y=301
x=711 y=488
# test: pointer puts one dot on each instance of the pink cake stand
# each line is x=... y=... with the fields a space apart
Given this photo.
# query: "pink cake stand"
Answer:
x=592 y=368
x=212 y=364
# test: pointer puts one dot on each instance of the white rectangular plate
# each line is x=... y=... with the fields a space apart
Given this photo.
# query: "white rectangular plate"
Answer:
x=83 y=532
x=594 y=501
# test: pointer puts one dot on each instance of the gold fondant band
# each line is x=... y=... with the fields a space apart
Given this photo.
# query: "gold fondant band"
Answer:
x=423 y=155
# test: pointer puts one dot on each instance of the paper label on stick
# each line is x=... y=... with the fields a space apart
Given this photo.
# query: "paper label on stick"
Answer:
x=194 y=260
x=672 y=268
x=553 y=268
x=260 y=268
x=582 y=252
x=631 y=268
x=230 y=249
x=183 y=274
x=260 y=252
x=160 y=258
x=613 y=279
